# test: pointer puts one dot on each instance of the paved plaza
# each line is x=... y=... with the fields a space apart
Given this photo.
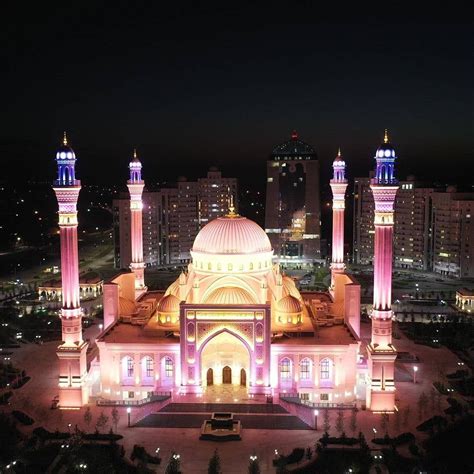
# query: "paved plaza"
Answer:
x=35 y=399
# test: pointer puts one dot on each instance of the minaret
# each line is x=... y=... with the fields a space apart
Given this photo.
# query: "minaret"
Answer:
x=338 y=186
x=135 y=186
x=381 y=353
x=72 y=351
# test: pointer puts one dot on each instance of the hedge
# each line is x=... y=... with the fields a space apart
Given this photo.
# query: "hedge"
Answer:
x=23 y=417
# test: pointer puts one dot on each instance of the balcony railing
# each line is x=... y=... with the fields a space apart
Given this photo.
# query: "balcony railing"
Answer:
x=295 y=398
x=154 y=397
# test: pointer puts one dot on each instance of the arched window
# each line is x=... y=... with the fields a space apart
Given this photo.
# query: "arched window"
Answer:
x=251 y=266
x=305 y=369
x=325 y=369
x=285 y=369
x=209 y=266
x=230 y=267
x=127 y=368
x=169 y=367
x=148 y=367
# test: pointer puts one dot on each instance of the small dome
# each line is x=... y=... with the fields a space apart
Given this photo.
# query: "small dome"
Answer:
x=65 y=152
x=385 y=150
x=290 y=287
x=126 y=307
x=229 y=295
x=173 y=289
x=289 y=305
x=231 y=235
x=168 y=304
x=294 y=147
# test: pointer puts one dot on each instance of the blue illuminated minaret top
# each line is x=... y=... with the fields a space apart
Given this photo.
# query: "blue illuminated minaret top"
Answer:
x=135 y=167
x=385 y=158
x=339 y=169
x=66 y=160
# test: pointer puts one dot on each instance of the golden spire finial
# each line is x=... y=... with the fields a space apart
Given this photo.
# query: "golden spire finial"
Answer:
x=385 y=137
x=65 y=139
x=134 y=153
x=339 y=152
x=231 y=212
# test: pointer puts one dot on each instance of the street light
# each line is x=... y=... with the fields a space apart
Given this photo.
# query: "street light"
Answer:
x=129 y=411
x=374 y=430
x=415 y=370
x=316 y=413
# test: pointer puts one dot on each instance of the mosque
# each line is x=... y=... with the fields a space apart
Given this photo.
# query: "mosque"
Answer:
x=232 y=319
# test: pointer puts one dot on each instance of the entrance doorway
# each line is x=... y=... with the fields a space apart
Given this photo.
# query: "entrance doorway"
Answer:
x=226 y=374
x=210 y=377
x=243 y=378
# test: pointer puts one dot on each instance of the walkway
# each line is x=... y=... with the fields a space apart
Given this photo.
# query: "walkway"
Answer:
x=253 y=416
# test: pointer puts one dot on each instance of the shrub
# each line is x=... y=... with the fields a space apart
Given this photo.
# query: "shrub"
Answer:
x=294 y=457
x=432 y=423
x=414 y=450
x=4 y=397
x=23 y=417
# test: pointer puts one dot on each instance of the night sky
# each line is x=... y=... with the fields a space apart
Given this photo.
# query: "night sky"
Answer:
x=191 y=86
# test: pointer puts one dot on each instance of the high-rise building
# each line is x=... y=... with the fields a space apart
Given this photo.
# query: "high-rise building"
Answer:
x=292 y=211
x=172 y=217
x=412 y=226
x=381 y=353
x=363 y=222
x=73 y=349
x=452 y=221
x=433 y=228
x=122 y=230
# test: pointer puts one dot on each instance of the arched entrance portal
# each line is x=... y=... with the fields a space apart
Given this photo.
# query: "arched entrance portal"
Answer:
x=223 y=358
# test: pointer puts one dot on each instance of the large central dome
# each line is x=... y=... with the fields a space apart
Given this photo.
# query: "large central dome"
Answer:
x=232 y=235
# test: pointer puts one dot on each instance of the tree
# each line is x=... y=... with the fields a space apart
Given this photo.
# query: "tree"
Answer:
x=309 y=453
x=88 y=417
x=173 y=466
x=340 y=421
x=254 y=466
x=384 y=422
x=398 y=420
x=214 y=464
x=433 y=399
x=115 y=417
x=101 y=421
x=406 y=416
x=353 y=421
x=326 y=421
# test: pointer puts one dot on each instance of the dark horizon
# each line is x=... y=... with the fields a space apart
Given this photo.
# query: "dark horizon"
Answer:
x=203 y=86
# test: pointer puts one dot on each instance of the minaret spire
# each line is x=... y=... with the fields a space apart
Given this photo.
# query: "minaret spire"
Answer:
x=338 y=187
x=385 y=136
x=72 y=351
x=381 y=352
x=135 y=187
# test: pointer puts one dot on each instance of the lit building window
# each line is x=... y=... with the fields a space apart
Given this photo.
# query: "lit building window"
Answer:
x=129 y=367
x=285 y=369
x=325 y=369
x=169 y=367
x=305 y=369
x=149 y=367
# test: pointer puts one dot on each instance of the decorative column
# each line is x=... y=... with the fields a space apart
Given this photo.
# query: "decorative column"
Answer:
x=381 y=352
x=135 y=187
x=72 y=351
x=338 y=186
